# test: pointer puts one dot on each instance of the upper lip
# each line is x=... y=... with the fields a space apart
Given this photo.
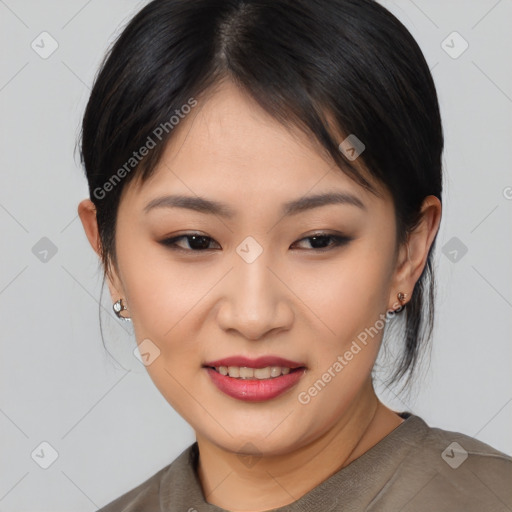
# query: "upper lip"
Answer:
x=260 y=362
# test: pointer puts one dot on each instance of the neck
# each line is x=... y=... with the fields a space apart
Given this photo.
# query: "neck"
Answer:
x=276 y=481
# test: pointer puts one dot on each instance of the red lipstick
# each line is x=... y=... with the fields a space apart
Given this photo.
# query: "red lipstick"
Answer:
x=260 y=362
x=253 y=389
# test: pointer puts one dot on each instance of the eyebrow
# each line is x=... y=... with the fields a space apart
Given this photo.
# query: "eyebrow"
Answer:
x=202 y=205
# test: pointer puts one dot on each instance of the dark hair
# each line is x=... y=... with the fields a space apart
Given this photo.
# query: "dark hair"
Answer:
x=324 y=66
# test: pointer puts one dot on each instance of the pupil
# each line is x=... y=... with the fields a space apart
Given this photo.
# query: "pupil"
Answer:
x=323 y=238
x=200 y=238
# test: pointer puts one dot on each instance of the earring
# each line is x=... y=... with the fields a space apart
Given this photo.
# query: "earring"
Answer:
x=401 y=297
x=118 y=307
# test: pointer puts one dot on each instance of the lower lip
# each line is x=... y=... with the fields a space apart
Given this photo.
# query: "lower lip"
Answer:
x=254 y=390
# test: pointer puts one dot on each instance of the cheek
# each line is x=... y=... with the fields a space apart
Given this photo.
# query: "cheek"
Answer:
x=161 y=291
x=164 y=299
x=349 y=298
x=347 y=294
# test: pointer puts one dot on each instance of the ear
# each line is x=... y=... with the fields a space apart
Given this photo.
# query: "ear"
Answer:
x=87 y=214
x=413 y=254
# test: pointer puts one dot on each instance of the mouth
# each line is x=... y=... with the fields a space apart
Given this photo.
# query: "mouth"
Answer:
x=248 y=373
x=255 y=383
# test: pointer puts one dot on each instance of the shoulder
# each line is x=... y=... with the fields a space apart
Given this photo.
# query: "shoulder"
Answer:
x=146 y=496
x=446 y=470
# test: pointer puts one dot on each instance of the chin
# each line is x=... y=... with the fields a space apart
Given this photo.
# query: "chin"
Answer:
x=252 y=442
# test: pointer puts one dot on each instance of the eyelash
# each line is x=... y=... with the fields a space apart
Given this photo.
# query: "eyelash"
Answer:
x=339 y=241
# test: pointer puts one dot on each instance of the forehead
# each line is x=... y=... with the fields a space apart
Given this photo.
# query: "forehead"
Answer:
x=230 y=147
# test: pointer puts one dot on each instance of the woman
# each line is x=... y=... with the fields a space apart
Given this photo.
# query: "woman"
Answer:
x=265 y=193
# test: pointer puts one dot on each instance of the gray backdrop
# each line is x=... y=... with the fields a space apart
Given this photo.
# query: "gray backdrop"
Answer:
x=77 y=429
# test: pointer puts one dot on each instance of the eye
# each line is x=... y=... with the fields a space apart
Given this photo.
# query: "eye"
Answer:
x=195 y=242
x=320 y=241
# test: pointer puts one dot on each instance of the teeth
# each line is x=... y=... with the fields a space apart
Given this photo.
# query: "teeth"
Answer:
x=233 y=371
x=243 y=372
x=275 y=371
x=262 y=373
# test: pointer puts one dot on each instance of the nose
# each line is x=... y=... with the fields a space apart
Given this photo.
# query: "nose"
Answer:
x=256 y=302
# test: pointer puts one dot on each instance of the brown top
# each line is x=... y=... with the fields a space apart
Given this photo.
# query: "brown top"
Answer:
x=415 y=468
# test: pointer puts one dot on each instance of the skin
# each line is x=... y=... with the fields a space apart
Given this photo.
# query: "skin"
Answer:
x=293 y=301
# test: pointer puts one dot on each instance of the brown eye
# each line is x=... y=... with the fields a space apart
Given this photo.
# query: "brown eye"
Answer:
x=326 y=241
x=194 y=242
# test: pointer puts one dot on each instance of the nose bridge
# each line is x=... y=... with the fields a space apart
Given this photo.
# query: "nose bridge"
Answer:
x=255 y=281
x=255 y=302
x=255 y=290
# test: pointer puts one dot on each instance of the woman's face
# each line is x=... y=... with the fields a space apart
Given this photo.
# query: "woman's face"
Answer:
x=256 y=285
